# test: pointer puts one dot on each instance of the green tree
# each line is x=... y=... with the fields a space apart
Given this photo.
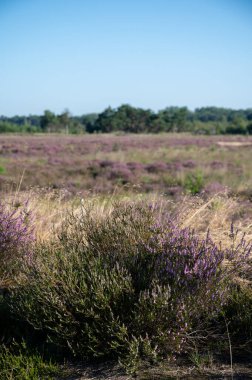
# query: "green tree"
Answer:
x=65 y=120
x=104 y=122
x=47 y=120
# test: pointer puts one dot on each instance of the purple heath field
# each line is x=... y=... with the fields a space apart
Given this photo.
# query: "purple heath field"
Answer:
x=125 y=256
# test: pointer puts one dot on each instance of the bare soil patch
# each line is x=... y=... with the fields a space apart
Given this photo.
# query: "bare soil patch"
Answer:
x=110 y=371
x=234 y=143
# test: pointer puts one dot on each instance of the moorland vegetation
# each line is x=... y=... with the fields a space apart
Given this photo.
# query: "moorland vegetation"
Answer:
x=136 y=280
x=132 y=249
x=171 y=164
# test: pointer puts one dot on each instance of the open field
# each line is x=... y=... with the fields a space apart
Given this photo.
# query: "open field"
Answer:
x=128 y=249
x=126 y=190
x=169 y=164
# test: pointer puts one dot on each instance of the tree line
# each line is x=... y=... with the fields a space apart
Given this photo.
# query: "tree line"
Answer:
x=128 y=119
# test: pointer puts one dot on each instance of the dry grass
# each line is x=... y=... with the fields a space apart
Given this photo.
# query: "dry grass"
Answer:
x=48 y=209
x=216 y=214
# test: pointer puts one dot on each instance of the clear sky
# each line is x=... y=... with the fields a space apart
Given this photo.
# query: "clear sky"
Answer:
x=87 y=54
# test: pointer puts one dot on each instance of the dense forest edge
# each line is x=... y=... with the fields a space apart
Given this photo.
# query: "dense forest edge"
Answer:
x=128 y=119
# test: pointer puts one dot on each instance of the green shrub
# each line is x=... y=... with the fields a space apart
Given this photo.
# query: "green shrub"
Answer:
x=76 y=301
x=236 y=129
x=128 y=284
x=194 y=182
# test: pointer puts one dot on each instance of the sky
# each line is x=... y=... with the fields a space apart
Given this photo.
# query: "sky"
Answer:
x=86 y=55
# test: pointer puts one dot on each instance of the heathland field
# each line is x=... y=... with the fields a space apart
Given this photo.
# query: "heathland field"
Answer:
x=170 y=164
x=125 y=255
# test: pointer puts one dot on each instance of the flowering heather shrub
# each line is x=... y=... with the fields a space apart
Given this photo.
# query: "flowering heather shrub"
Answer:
x=190 y=266
x=217 y=165
x=128 y=284
x=16 y=236
x=120 y=172
x=189 y=164
x=214 y=188
x=113 y=171
x=156 y=167
x=105 y=163
x=135 y=166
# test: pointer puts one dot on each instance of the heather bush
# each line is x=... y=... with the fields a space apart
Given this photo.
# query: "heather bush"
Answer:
x=16 y=237
x=128 y=284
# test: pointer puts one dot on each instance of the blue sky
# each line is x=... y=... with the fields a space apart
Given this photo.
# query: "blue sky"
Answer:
x=87 y=54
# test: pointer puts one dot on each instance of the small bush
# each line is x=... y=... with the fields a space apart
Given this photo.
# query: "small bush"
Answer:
x=128 y=284
x=194 y=182
x=236 y=129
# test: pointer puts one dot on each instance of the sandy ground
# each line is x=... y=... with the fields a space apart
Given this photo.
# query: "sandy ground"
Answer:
x=110 y=372
x=234 y=143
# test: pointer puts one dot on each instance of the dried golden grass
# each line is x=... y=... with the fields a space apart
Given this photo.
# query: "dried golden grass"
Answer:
x=47 y=209
x=216 y=214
